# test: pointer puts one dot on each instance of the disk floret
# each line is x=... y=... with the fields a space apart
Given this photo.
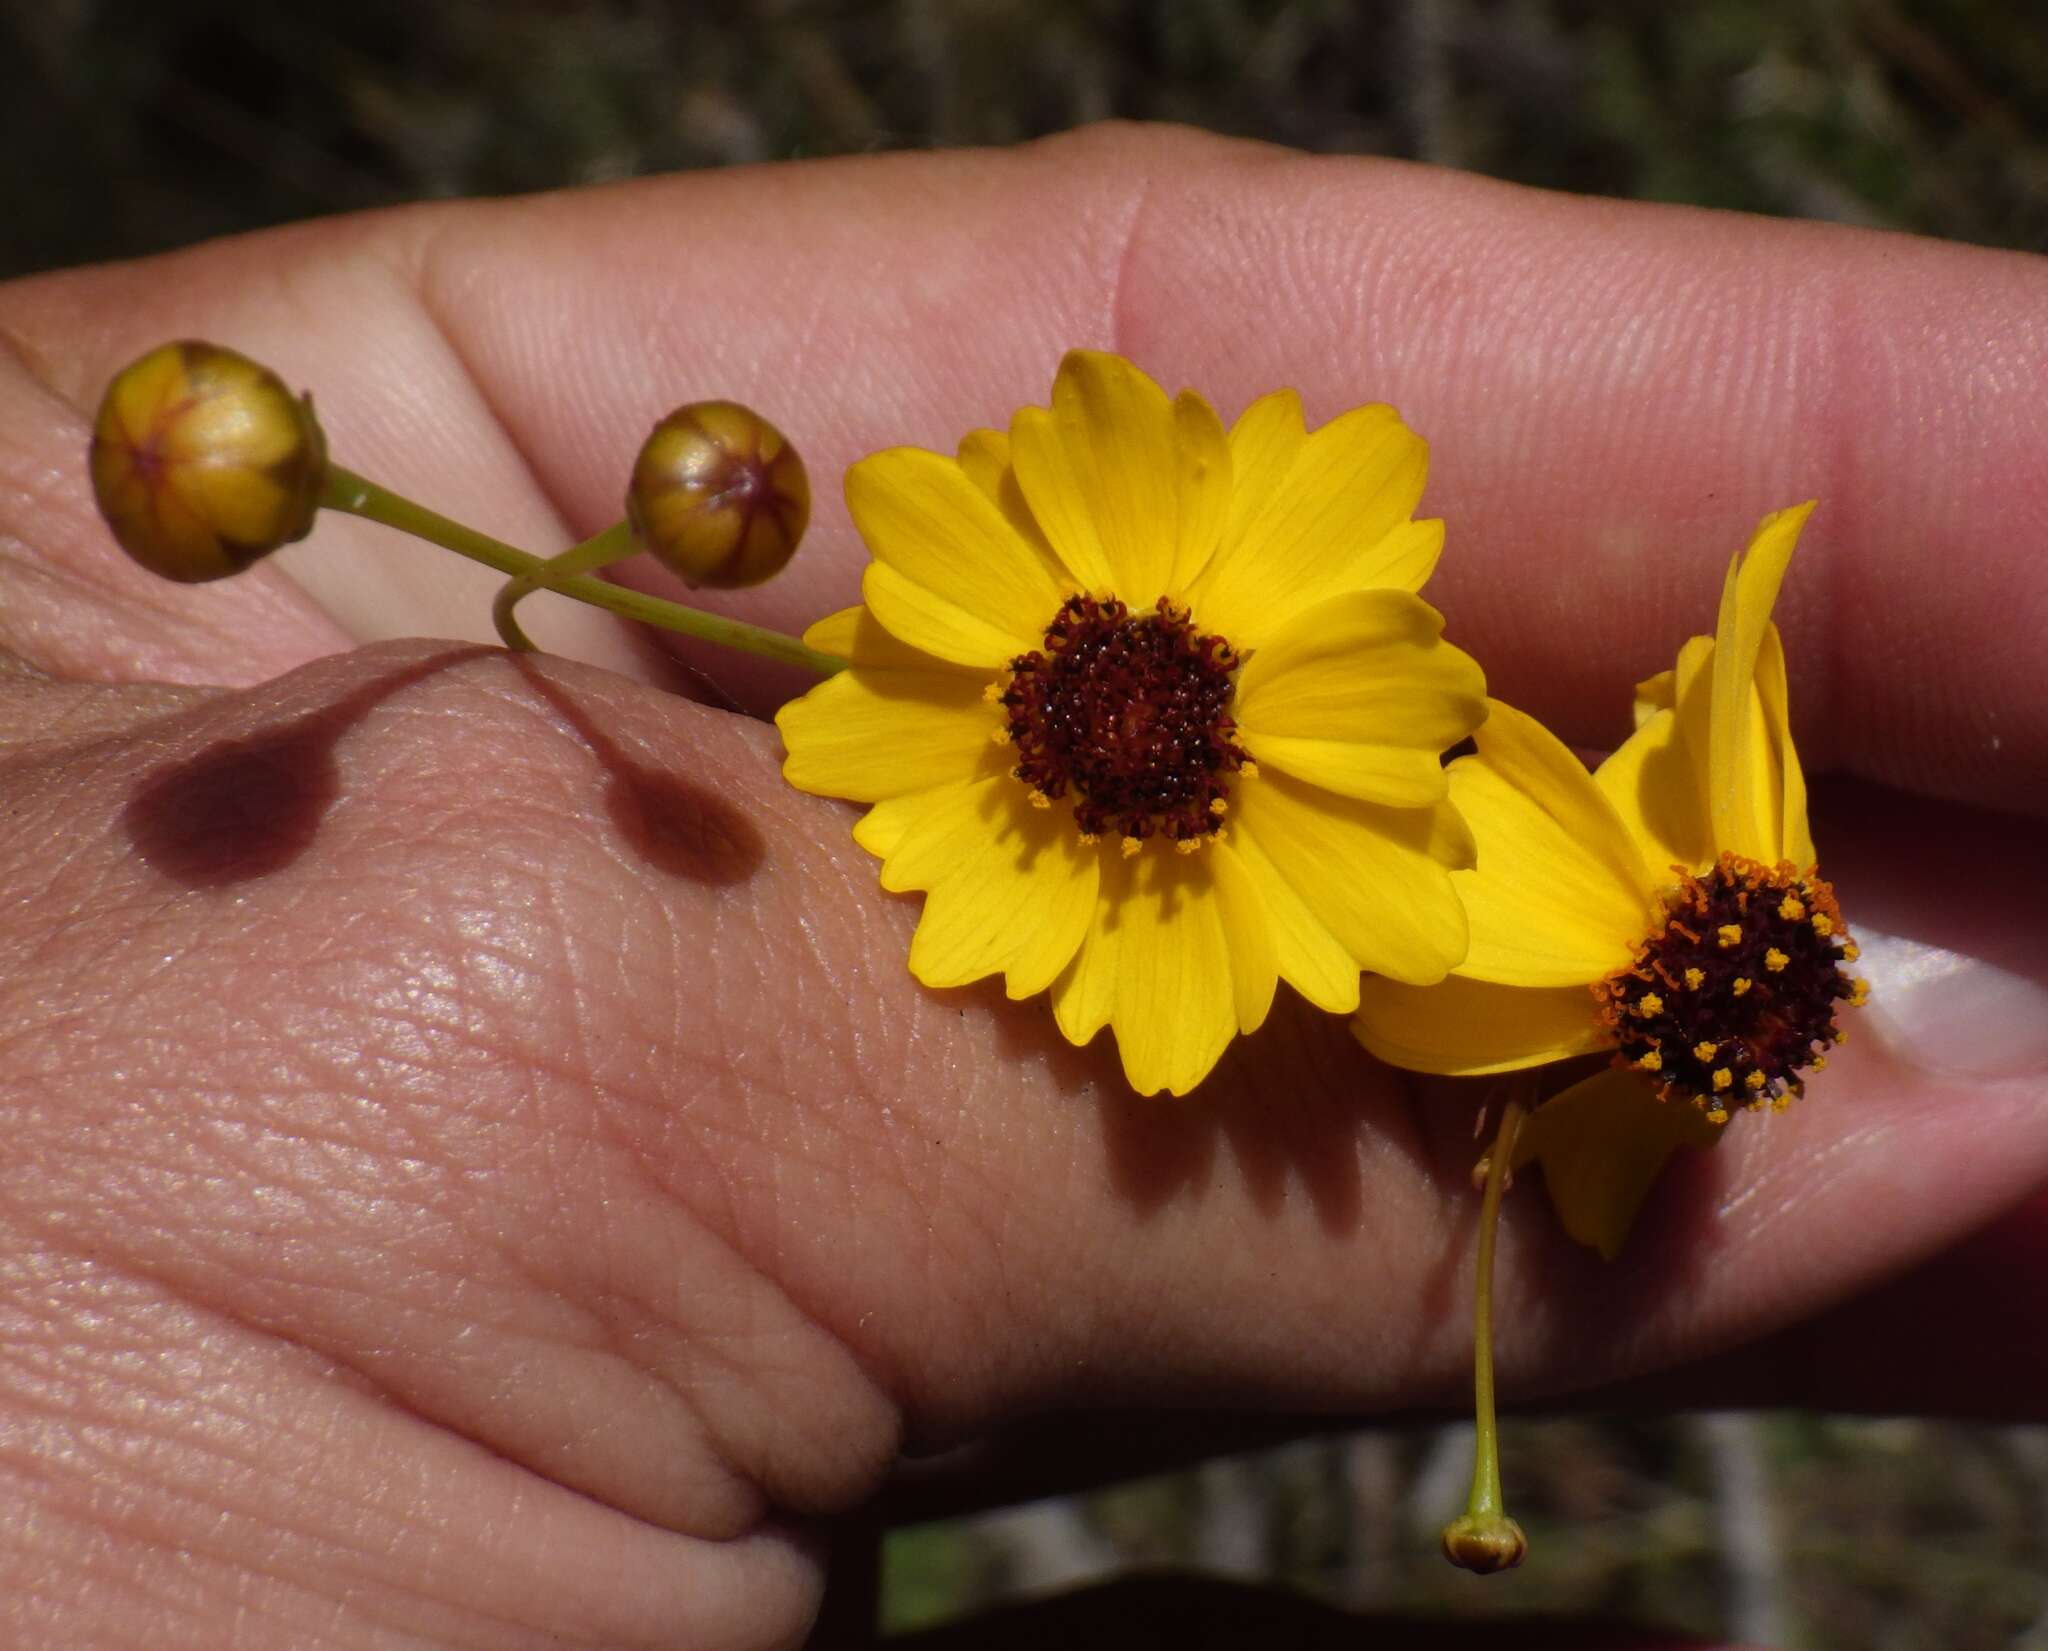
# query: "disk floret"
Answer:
x=1733 y=993
x=1130 y=715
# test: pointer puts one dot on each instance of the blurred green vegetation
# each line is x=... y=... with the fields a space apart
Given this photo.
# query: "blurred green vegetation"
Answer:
x=133 y=125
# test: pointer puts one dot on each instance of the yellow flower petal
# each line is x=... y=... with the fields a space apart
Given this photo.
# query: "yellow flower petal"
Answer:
x=1115 y=463
x=1795 y=833
x=1254 y=956
x=1359 y=695
x=985 y=457
x=1657 y=779
x=1466 y=1027
x=1008 y=888
x=1053 y=493
x=950 y=575
x=1203 y=481
x=1324 y=529
x=1308 y=956
x=1654 y=694
x=1601 y=1144
x=1739 y=801
x=859 y=637
x=866 y=735
x=1264 y=443
x=1560 y=893
x=1367 y=872
x=1084 y=996
x=1176 y=1008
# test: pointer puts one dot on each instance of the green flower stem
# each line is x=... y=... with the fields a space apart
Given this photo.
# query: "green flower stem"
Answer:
x=614 y=544
x=358 y=496
x=1484 y=1538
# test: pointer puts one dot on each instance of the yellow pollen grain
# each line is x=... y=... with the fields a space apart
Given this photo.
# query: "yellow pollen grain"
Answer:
x=1851 y=951
x=1756 y=1080
x=993 y=693
x=1651 y=1062
x=1040 y=800
x=1704 y=1051
x=1860 y=995
x=1000 y=737
x=1130 y=846
x=1841 y=1034
x=1731 y=935
x=1089 y=839
x=1187 y=845
x=1823 y=925
x=1791 y=908
x=1695 y=979
x=1820 y=1063
x=1248 y=770
x=1775 y=960
x=1718 y=1116
x=1780 y=1102
x=1649 y=1004
x=1742 y=985
x=1218 y=807
x=1723 y=1079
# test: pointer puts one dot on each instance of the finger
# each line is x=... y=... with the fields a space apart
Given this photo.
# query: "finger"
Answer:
x=1614 y=393
x=506 y=1044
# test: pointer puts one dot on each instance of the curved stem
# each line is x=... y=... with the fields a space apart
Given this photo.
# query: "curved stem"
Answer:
x=614 y=544
x=1484 y=1538
x=358 y=496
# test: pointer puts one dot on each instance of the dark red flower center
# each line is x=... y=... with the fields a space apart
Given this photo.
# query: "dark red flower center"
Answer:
x=1128 y=714
x=1733 y=994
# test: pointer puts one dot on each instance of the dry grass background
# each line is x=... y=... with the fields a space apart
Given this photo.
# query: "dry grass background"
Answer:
x=131 y=125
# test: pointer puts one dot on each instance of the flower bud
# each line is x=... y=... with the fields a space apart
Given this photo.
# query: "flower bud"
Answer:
x=719 y=495
x=202 y=461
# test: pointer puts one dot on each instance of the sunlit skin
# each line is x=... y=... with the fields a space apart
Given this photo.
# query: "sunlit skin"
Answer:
x=478 y=1167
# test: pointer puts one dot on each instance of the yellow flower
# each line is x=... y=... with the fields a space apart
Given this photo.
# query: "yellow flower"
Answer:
x=1666 y=907
x=1150 y=713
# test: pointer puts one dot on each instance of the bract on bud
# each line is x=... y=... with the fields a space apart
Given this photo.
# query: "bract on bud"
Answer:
x=203 y=462
x=719 y=495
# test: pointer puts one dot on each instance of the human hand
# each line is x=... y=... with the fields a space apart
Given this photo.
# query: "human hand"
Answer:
x=479 y=1169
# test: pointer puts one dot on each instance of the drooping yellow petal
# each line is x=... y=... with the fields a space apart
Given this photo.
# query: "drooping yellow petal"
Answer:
x=1353 y=484
x=1309 y=957
x=1359 y=694
x=1008 y=889
x=1560 y=893
x=1739 y=803
x=1203 y=483
x=1117 y=461
x=1254 y=957
x=1462 y=1028
x=866 y=735
x=1795 y=833
x=1657 y=779
x=1367 y=872
x=951 y=575
x=1602 y=1143
x=1176 y=1003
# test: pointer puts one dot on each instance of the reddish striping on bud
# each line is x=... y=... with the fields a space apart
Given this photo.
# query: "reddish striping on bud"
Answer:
x=719 y=495
x=203 y=462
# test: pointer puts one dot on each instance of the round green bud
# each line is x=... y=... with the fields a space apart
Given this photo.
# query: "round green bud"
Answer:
x=719 y=495
x=202 y=461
